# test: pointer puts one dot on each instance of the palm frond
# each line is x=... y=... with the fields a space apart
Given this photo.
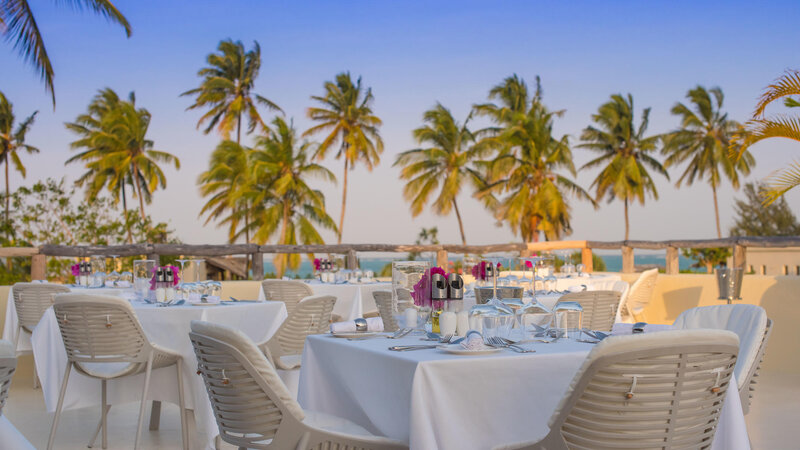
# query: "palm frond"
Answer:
x=787 y=84
x=781 y=182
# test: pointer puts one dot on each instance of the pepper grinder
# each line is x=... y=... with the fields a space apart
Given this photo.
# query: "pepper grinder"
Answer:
x=161 y=293
x=455 y=287
x=169 y=283
x=438 y=287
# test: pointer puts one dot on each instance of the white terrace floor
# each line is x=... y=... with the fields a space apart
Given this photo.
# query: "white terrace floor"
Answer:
x=772 y=421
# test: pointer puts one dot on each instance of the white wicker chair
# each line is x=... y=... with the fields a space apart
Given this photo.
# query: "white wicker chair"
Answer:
x=8 y=365
x=750 y=323
x=311 y=316
x=31 y=300
x=383 y=300
x=104 y=340
x=639 y=296
x=599 y=307
x=659 y=390
x=286 y=291
x=10 y=437
x=253 y=408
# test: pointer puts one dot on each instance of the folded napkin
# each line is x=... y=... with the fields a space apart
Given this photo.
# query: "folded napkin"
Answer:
x=621 y=329
x=576 y=288
x=374 y=324
x=473 y=341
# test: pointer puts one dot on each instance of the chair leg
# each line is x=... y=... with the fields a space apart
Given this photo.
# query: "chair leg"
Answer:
x=99 y=426
x=104 y=417
x=148 y=371
x=58 y=407
x=35 y=376
x=182 y=405
x=155 y=415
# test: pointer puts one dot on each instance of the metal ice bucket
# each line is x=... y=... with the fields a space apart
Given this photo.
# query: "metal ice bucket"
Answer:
x=729 y=281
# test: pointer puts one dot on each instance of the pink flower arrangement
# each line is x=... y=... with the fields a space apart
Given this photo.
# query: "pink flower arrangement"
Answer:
x=76 y=269
x=529 y=264
x=422 y=290
x=479 y=270
x=316 y=264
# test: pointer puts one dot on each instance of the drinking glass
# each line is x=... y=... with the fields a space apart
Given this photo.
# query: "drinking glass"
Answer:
x=533 y=319
x=112 y=278
x=494 y=318
x=569 y=319
x=125 y=279
x=580 y=268
x=406 y=275
x=142 y=274
x=524 y=266
x=98 y=271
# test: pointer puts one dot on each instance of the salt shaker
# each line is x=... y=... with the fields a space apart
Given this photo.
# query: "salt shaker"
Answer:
x=169 y=282
x=161 y=292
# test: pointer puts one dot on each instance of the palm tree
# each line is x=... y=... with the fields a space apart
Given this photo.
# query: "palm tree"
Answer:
x=702 y=141
x=227 y=87
x=286 y=205
x=346 y=115
x=12 y=140
x=760 y=127
x=228 y=177
x=117 y=151
x=525 y=168
x=18 y=25
x=624 y=154
x=447 y=161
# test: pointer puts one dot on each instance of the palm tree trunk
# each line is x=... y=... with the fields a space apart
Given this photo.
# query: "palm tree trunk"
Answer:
x=125 y=211
x=139 y=190
x=534 y=232
x=460 y=223
x=8 y=194
x=239 y=129
x=344 y=199
x=282 y=260
x=627 y=223
x=716 y=210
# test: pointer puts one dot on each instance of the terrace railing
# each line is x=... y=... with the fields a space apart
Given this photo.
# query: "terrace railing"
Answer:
x=256 y=252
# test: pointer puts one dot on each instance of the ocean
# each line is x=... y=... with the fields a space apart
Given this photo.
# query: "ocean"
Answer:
x=613 y=264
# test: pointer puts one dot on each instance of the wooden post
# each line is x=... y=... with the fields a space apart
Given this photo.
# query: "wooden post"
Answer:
x=673 y=268
x=441 y=259
x=38 y=267
x=155 y=257
x=527 y=253
x=627 y=259
x=351 y=261
x=739 y=258
x=586 y=260
x=258 y=266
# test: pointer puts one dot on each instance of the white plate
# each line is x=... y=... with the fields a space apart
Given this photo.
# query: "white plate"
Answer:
x=204 y=304
x=355 y=334
x=459 y=350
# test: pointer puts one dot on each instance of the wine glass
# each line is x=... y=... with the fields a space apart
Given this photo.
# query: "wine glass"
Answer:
x=113 y=277
x=524 y=264
x=495 y=317
x=197 y=262
x=580 y=268
x=182 y=262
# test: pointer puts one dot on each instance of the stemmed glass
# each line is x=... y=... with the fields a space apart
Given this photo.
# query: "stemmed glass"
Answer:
x=182 y=262
x=113 y=277
x=197 y=263
x=495 y=317
x=524 y=279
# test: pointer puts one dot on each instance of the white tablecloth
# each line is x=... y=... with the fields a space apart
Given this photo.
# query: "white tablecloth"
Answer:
x=12 y=320
x=352 y=300
x=168 y=327
x=593 y=282
x=434 y=400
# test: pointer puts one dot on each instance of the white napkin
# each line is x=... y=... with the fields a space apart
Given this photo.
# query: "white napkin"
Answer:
x=374 y=324
x=621 y=329
x=575 y=288
x=473 y=342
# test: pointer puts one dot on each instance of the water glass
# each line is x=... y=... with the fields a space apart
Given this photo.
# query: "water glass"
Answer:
x=142 y=274
x=569 y=319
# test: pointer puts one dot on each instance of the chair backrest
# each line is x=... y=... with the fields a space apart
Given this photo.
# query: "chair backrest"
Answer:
x=311 y=316
x=286 y=291
x=250 y=402
x=100 y=328
x=8 y=364
x=658 y=390
x=484 y=294
x=623 y=287
x=749 y=385
x=383 y=300
x=749 y=322
x=599 y=307
x=641 y=292
x=31 y=300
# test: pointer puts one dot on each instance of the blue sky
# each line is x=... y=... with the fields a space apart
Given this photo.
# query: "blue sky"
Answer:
x=414 y=54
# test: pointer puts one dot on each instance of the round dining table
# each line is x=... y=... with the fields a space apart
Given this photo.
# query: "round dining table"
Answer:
x=167 y=327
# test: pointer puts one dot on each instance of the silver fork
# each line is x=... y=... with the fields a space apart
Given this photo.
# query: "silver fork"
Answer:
x=496 y=341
